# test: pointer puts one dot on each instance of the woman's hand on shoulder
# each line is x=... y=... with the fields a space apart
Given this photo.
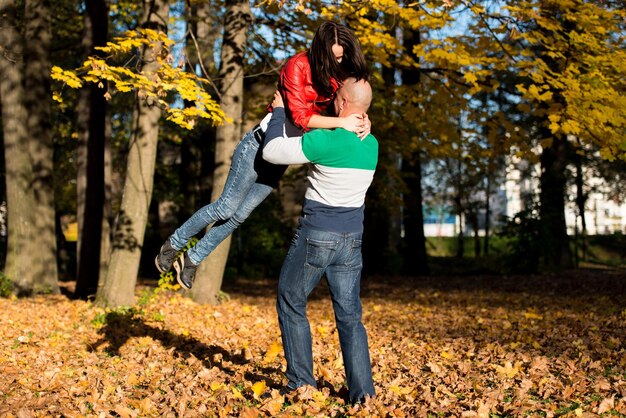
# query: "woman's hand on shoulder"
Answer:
x=278 y=100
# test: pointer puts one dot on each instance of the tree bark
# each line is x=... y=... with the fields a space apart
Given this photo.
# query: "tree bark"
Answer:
x=383 y=222
x=118 y=288
x=37 y=100
x=91 y=156
x=581 y=200
x=21 y=229
x=487 y=210
x=105 y=232
x=556 y=252
x=237 y=19
x=460 y=238
x=415 y=257
x=197 y=151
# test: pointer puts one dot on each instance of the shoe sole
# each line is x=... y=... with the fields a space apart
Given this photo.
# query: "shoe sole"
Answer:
x=158 y=266
x=178 y=267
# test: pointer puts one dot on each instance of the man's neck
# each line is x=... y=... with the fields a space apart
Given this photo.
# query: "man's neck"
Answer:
x=350 y=111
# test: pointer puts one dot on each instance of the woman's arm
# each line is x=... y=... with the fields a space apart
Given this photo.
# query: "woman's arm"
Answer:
x=279 y=148
x=296 y=84
x=359 y=124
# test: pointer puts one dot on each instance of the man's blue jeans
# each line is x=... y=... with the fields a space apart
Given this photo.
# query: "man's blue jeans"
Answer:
x=250 y=180
x=313 y=253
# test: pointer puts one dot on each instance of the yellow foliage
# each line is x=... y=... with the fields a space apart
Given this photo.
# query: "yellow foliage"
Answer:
x=532 y=315
x=272 y=352
x=165 y=87
x=68 y=77
x=508 y=370
x=237 y=393
x=258 y=388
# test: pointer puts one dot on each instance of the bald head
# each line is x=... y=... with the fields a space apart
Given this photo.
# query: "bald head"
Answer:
x=353 y=97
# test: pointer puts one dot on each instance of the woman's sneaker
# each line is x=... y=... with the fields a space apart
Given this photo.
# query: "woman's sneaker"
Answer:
x=185 y=271
x=166 y=257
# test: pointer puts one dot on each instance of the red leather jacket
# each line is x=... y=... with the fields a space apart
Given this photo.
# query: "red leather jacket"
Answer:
x=296 y=87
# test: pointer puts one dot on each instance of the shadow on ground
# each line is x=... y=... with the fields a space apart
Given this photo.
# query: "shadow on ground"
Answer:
x=120 y=327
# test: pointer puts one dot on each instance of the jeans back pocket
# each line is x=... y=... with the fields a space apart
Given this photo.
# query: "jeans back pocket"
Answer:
x=319 y=254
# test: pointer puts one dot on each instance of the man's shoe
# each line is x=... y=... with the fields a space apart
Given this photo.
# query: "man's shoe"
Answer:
x=185 y=271
x=166 y=257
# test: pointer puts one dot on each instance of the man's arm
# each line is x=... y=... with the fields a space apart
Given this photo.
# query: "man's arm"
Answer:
x=278 y=148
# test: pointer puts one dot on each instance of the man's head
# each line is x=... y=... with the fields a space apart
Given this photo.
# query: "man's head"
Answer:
x=353 y=97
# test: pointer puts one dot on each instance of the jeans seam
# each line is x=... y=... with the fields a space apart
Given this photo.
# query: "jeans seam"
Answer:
x=243 y=154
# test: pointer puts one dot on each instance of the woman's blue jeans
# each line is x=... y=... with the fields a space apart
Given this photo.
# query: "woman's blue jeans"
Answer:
x=313 y=253
x=250 y=180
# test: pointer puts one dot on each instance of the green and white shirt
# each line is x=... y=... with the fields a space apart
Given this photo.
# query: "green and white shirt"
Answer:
x=341 y=169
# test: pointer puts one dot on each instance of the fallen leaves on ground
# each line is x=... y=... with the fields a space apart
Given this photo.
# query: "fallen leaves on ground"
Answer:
x=544 y=346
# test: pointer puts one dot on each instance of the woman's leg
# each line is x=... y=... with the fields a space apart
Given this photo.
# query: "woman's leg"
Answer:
x=241 y=177
x=268 y=177
x=222 y=229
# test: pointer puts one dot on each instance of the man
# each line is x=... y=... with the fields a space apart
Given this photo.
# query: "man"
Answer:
x=328 y=239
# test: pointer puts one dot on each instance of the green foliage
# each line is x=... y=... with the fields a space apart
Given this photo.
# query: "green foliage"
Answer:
x=103 y=318
x=607 y=250
x=523 y=234
x=6 y=286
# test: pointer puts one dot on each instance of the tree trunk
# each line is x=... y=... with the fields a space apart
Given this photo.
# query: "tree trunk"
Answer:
x=460 y=238
x=476 y=236
x=118 y=287
x=37 y=100
x=415 y=258
x=556 y=252
x=105 y=233
x=487 y=211
x=197 y=150
x=382 y=224
x=581 y=199
x=21 y=230
x=237 y=19
x=92 y=143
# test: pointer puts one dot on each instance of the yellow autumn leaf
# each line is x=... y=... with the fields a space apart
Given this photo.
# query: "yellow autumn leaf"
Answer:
x=319 y=396
x=399 y=390
x=323 y=331
x=258 y=388
x=508 y=370
x=236 y=393
x=470 y=77
x=216 y=386
x=532 y=315
x=132 y=379
x=275 y=405
x=272 y=353
x=446 y=355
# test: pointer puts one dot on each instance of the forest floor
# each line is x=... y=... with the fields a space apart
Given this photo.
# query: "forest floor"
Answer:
x=480 y=346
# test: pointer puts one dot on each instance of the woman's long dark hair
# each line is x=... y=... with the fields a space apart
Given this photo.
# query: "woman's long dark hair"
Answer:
x=324 y=65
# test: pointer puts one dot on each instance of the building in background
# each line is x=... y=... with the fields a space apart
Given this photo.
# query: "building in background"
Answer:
x=517 y=192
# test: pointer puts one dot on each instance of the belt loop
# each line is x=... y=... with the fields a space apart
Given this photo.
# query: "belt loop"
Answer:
x=258 y=134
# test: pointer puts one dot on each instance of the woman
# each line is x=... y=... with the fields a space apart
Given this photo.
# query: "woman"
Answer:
x=308 y=83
